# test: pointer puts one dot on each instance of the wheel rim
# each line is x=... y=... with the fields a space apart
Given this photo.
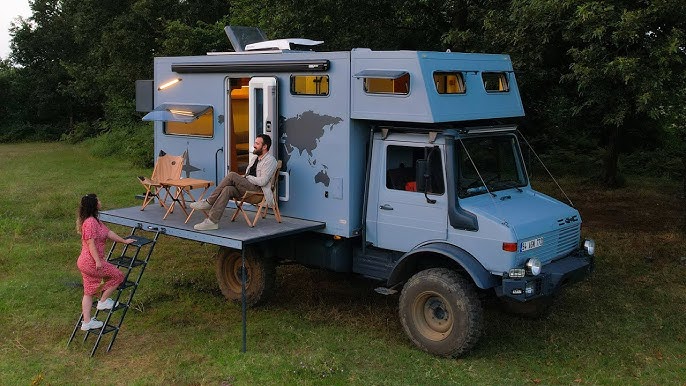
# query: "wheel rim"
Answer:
x=232 y=273
x=433 y=316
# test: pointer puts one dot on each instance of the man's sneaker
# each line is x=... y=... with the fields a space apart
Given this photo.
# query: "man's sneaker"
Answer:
x=206 y=225
x=106 y=305
x=94 y=324
x=201 y=205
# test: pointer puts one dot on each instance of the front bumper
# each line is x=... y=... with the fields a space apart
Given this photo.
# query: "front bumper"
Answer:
x=554 y=276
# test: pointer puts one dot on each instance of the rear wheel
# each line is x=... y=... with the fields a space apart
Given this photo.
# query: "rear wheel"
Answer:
x=441 y=313
x=260 y=275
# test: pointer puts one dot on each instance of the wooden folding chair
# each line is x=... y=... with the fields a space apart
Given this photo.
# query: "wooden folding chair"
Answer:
x=257 y=198
x=168 y=167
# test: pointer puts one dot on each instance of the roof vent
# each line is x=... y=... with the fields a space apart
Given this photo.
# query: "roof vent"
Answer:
x=241 y=37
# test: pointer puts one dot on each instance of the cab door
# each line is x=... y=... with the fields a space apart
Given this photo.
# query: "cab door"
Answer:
x=406 y=216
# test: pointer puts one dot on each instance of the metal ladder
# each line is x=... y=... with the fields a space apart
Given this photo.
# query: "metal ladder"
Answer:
x=130 y=264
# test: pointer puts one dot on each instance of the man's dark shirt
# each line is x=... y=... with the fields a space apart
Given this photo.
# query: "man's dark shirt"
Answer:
x=253 y=169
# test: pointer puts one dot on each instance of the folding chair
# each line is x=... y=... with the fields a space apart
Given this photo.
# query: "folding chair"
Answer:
x=257 y=198
x=168 y=167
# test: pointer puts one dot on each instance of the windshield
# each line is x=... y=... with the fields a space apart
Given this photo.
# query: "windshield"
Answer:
x=497 y=160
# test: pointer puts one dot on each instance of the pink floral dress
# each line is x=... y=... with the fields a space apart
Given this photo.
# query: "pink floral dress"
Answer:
x=92 y=277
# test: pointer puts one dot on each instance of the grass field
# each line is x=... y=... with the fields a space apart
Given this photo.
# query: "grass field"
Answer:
x=625 y=326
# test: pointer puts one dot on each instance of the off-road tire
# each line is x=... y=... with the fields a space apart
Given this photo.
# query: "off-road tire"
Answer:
x=260 y=275
x=441 y=313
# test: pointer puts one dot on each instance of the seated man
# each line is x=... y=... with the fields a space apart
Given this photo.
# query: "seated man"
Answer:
x=257 y=177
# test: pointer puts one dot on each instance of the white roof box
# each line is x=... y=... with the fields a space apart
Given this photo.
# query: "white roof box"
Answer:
x=281 y=44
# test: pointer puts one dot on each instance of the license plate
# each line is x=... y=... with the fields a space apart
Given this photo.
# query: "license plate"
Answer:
x=531 y=244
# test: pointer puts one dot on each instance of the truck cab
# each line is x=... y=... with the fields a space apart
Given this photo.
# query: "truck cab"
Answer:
x=460 y=201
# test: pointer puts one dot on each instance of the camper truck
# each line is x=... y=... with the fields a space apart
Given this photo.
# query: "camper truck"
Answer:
x=403 y=167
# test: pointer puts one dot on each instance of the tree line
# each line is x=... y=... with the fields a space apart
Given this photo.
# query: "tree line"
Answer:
x=603 y=82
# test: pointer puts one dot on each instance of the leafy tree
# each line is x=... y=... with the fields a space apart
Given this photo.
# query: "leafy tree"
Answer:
x=628 y=63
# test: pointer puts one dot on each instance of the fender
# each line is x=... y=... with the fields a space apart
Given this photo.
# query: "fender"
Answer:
x=481 y=277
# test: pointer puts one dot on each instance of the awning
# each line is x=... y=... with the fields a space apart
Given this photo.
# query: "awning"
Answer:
x=170 y=112
x=381 y=74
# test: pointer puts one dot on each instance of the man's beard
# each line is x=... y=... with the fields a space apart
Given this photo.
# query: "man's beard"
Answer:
x=257 y=151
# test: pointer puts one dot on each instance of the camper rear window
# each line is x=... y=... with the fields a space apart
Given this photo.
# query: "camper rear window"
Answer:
x=400 y=86
x=449 y=82
x=495 y=81
x=201 y=127
x=310 y=85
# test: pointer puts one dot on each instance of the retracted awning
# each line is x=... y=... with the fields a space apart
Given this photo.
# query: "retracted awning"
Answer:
x=176 y=112
x=381 y=74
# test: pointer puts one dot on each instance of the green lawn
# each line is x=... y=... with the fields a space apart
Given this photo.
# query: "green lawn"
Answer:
x=625 y=326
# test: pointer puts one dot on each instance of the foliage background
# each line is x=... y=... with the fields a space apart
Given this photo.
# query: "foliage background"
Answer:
x=602 y=81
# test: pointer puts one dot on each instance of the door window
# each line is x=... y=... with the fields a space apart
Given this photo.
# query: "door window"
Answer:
x=414 y=169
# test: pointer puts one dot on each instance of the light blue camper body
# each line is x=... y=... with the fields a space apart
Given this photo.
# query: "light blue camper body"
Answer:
x=326 y=136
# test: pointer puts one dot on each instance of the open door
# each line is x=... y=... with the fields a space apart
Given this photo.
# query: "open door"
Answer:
x=263 y=103
x=263 y=112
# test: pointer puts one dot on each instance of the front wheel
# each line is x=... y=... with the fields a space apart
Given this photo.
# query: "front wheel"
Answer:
x=260 y=275
x=441 y=312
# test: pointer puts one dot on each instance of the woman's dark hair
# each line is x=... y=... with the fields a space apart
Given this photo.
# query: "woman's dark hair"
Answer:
x=88 y=208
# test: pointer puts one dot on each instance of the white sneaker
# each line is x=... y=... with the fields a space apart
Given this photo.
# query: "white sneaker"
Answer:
x=94 y=324
x=206 y=225
x=201 y=205
x=106 y=305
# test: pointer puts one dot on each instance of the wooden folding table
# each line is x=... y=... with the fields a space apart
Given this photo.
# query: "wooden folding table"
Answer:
x=183 y=188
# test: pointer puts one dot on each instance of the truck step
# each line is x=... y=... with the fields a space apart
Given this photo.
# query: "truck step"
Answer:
x=375 y=263
x=385 y=291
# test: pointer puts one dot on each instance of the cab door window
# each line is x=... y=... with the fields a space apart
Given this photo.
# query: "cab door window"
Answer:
x=414 y=169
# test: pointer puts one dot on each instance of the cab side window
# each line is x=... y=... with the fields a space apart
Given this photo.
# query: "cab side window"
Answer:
x=407 y=166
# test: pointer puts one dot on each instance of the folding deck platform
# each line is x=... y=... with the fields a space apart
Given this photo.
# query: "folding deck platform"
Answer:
x=236 y=234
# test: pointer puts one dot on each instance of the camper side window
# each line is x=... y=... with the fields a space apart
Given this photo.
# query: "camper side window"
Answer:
x=407 y=169
x=310 y=85
x=449 y=83
x=495 y=81
x=203 y=126
x=400 y=85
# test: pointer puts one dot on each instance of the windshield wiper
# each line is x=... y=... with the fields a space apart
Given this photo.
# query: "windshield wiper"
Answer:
x=506 y=184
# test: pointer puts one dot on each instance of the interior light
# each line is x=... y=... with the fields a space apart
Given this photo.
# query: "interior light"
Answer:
x=169 y=84
x=510 y=247
x=182 y=112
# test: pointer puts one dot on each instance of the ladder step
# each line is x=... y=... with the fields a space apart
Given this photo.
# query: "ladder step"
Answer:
x=127 y=284
x=119 y=306
x=109 y=328
x=140 y=241
x=127 y=262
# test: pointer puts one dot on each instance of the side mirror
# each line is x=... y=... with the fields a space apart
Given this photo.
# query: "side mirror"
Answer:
x=421 y=166
x=423 y=178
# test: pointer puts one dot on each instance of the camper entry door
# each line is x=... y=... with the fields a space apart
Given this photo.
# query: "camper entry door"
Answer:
x=262 y=109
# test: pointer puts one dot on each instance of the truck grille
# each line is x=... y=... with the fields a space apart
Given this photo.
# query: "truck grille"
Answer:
x=555 y=244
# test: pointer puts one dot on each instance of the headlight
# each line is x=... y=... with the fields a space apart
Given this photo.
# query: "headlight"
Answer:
x=589 y=246
x=533 y=266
